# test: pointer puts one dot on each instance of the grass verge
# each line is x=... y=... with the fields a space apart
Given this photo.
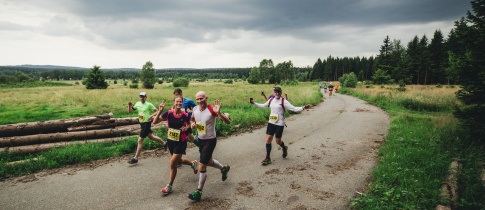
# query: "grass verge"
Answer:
x=413 y=161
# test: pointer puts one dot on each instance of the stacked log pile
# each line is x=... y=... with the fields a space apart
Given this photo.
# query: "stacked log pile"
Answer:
x=44 y=135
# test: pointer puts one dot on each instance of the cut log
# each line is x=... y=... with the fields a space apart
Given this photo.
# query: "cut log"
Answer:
x=111 y=123
x=51 y=126
x=43 y=147
x=69 y=136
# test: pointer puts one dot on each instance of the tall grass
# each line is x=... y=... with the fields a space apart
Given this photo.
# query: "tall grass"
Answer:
x=49 y=103
x=423 y=139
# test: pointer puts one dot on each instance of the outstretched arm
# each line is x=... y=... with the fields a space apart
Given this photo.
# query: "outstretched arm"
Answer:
x=217 y=109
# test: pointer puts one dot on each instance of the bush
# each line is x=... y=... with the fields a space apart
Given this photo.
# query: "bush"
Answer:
x=160 y=81
x=134 y=81
x=439 y=86
x=228 y=81
x=96 y=79
x=115 y=82
x=402 y=86
x=450 y=86
x=349 y=80
x=181 y=82
x=125 y=83
x=134 y=86
x=77 y=83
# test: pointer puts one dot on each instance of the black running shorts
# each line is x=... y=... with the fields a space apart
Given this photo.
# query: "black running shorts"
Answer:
x=177 y=147
x=276 y=130
x=206 y=148
x=146 y=128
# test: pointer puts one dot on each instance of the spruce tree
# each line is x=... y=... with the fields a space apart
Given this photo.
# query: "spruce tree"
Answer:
x=95 y=79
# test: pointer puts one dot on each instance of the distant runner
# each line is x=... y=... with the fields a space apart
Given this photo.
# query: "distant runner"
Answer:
x=336 y=88
x=204 y=119
x=178 y=122
x=330 y=90
x=320 y=85
x=277 y=121
x=144 y=109
x=325 y=88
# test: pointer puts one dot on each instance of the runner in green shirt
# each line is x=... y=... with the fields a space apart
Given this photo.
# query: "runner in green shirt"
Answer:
x=144 y=109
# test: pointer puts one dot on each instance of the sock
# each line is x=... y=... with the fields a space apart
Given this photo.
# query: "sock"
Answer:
x=282 y=145
x=217 y=165
x=268 y=150
x=202 y=178
x=136 y=158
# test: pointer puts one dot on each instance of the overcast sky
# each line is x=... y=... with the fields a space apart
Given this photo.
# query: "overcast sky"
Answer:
x=207 y=33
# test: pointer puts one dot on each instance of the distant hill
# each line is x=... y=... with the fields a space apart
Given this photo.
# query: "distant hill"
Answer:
x=112 y=69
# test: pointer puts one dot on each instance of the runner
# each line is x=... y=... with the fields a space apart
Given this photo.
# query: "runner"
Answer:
x=188 y=106
x=144 y=109
x=277 y=121
x=325 y=88
x=272 y=95
x=204 y=119
x=336 y=88
x=178 y=122
x=320 y=85
x=330 y=90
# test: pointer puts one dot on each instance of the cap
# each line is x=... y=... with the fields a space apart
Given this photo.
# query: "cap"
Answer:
x=330 y=82
x=143 y=94
x=277 y=90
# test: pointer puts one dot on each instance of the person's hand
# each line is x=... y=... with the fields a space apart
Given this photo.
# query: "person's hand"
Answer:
x=308 y=106
x=192 y=125
x=150 y=118
x=130 y=104
x=189 y=111
x=162 y=105
x=217 y=106
x=184 y=128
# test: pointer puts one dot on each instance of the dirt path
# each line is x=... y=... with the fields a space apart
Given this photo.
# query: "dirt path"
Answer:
x=332 y=150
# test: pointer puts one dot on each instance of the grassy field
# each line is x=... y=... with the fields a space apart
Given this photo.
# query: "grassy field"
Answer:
x=423 y=139
x=49 y=103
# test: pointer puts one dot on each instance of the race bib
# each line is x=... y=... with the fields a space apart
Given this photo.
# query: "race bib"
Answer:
x=273 y=117
x=141 y=116
x=201 y=127
x=173 y=134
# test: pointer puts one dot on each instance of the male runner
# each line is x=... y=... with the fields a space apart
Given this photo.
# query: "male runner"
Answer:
x=277 y=121
x=144 y=109
x=325 y=88
x=330 y=90
x=204 y=119
x=336 y=88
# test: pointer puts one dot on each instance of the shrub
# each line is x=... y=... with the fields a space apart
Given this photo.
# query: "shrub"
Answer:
x=228 y=81
x=115 y=82
x=77 y=83
x=402 y=86
x=96 y=79
x=134 y=81
x=134 y=86
x=439 y=86
x=125 y=83
x=160 y=81
x=181 y=82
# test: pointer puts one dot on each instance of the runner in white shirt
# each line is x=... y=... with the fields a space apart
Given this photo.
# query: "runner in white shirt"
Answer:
x=204 y=119
x=276 y=121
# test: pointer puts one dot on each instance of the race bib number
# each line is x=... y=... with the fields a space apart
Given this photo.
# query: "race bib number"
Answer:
x=141 y=116
x=201 y=127
x=173 y=134
x=273 y=117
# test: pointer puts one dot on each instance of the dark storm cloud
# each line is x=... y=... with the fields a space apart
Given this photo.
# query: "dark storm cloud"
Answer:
x=124 y=23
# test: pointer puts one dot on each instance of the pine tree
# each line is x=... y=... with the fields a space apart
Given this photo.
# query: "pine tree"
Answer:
x=470 y=70
x=95 y=79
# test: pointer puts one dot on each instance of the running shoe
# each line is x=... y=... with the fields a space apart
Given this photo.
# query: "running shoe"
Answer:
x=133 y=161
x=224 y=172
x=266 y=161
x=285 y=151
x=194 y=166
x=167 y=190
x=195 y=196
x=165 y=145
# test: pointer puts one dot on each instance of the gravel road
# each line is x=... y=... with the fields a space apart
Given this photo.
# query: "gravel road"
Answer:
x=332 y=150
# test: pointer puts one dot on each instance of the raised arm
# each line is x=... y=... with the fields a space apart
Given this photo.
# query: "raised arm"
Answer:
x=217 y=109
x=130 y=107
x=158 y=117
